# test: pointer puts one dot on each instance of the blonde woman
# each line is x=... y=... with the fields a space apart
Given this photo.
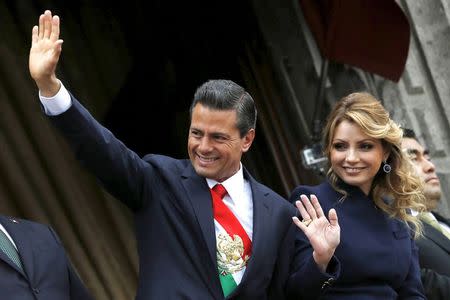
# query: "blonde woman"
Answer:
x=371 y=187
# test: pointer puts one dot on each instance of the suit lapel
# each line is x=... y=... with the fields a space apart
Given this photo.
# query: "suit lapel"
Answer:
x=442 y=219
x=200 y=198
x=261 y=227
x=23 y=243
x=198 y=193
x=437 y=237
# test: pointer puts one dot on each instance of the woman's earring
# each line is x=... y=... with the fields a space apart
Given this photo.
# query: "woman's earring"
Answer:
x=386 y=167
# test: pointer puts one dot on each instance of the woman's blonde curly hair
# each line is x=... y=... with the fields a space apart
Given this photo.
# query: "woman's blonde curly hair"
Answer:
x=401 y=185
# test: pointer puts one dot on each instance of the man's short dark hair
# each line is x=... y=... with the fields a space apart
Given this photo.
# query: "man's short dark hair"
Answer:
x=223 y=94
x=409 y=133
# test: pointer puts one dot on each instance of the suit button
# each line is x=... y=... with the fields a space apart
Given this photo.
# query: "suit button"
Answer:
x=328 y=282
x=36 y=290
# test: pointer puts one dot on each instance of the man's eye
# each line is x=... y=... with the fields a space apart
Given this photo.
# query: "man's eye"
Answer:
x=195 y=133
x=219 y=138
x=412 y=157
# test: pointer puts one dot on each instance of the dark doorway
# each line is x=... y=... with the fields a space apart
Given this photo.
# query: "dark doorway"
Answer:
x=175 y=47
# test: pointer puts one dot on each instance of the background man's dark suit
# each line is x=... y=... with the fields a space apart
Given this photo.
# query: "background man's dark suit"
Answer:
x=434 y=247
x=434 y=254
x=175 y=227
x=48 y=274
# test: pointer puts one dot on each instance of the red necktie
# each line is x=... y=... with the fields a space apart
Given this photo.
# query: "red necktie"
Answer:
x=233 y=227
x=227 y=219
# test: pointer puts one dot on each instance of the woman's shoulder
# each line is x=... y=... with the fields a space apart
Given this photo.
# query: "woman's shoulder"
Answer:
x=319 y=190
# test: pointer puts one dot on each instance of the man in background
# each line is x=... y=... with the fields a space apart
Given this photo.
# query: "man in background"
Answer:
x=34 y=265
x=434 y=246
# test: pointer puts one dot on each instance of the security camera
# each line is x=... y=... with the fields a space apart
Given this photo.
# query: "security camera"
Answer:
x=313 y=158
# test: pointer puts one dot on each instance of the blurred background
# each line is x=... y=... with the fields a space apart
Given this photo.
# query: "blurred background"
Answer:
x=136 y=64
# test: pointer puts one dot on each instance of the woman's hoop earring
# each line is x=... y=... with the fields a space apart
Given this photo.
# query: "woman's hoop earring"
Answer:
x=387 y=167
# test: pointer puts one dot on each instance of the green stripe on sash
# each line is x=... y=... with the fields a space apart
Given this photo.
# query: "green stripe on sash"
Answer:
x=228 y=284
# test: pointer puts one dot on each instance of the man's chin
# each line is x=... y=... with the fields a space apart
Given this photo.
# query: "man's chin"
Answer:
x=433 y=197
x=205 y=172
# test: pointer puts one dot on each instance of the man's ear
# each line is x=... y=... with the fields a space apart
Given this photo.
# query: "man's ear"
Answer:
x=248 y=140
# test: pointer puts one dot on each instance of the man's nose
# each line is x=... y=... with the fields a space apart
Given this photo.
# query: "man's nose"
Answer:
x=428 y=166
x=205 y=144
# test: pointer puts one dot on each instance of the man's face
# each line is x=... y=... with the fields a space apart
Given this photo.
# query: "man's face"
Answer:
x=214 y=144
x=425 y=169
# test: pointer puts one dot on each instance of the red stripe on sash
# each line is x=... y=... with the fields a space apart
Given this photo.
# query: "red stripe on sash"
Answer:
x=228 y=220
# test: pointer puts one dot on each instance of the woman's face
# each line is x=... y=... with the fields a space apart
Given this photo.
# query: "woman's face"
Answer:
x=355 y=157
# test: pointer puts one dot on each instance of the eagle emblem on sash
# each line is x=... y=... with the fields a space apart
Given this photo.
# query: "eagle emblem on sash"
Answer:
x=229 y=254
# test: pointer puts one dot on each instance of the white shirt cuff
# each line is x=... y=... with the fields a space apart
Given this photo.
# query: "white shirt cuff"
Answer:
x=57 y=104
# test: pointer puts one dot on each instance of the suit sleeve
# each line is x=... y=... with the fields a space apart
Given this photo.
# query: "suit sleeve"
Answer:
x=117 y=168
x=78 y=290
x=306 y=280
x=436 y=286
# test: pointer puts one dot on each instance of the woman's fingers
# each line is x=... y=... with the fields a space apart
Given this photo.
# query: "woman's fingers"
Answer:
x=317 y=207
x=302 y=209
x=299 y=223
x=332 y=217
x=309 y=207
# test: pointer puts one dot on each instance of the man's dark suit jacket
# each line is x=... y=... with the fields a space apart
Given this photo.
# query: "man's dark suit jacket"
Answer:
x=175 y=225
x=47 y=275
x=434 y=260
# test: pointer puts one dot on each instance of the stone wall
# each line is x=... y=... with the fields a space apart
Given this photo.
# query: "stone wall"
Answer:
x=420 y=100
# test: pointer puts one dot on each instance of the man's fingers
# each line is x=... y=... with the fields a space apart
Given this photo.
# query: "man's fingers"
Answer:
x=47 y=24
x=332 y=217
x=54 y=35
x=41 y=26
x=34 y=35
x=59 y=45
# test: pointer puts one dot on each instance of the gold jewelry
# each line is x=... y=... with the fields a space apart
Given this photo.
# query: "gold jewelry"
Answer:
x=307 y=222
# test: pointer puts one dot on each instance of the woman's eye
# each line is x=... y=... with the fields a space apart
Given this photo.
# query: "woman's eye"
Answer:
x=366 y=146
x=339 y=146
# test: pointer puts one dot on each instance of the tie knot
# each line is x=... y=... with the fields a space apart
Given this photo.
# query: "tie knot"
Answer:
x=220 y=190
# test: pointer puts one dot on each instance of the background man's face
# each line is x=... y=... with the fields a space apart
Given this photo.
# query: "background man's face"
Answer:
x=425 y=169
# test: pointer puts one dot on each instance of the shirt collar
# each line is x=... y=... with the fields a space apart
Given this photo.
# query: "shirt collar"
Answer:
x=234 y=185
x=416 y=213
